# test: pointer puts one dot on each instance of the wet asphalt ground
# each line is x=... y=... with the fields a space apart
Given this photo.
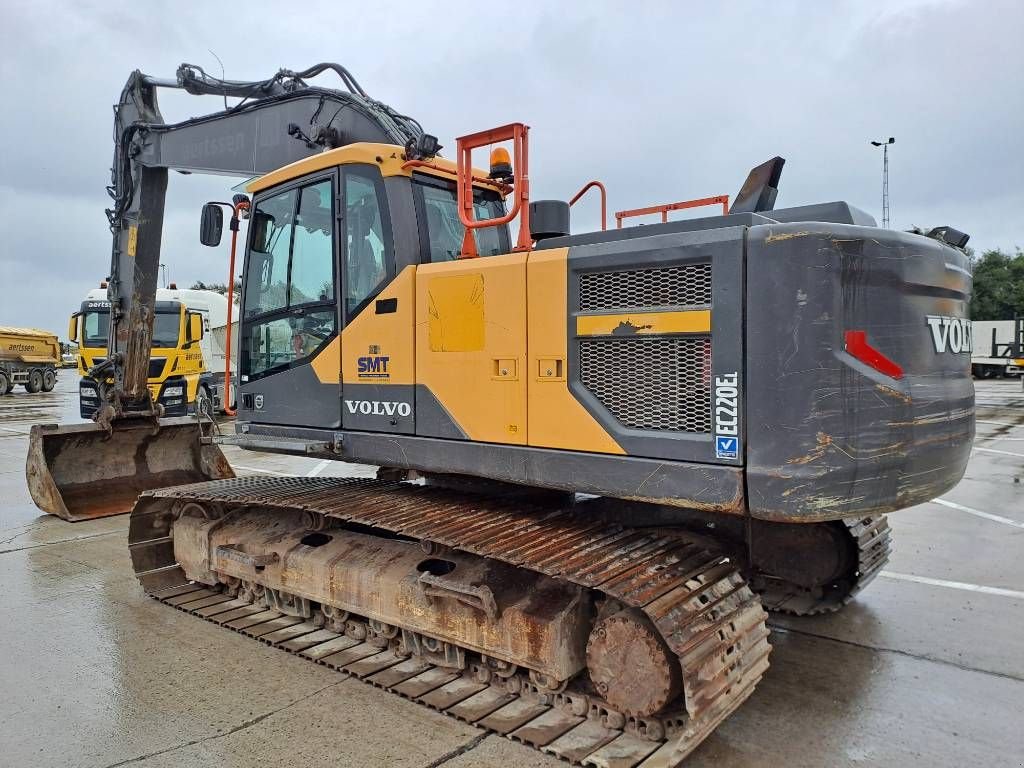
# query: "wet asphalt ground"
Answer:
x=924 y=668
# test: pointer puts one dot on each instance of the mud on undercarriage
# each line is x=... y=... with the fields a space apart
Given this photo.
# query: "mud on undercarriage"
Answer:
x=600 y=643
x=603 y=644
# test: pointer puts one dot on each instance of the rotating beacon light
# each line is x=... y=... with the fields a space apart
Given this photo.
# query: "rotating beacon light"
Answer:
x=501 y=165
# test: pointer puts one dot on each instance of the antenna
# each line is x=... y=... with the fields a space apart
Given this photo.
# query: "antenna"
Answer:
x=885 y=178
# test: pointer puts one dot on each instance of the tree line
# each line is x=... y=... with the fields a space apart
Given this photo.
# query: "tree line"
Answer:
x=998 y=285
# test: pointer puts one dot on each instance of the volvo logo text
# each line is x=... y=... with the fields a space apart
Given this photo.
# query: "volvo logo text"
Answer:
x=378 y=408
x=950 y=334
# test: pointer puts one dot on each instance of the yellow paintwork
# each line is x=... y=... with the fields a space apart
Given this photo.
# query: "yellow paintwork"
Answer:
x=483 y=389
x=556 y=418
x=690 y=321
x=327 y=364
x=388 y=335
x=455 y=308
x=29 y=345
x=390 y=158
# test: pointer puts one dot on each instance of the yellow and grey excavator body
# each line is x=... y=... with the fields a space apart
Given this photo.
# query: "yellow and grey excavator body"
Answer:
x=602 y=455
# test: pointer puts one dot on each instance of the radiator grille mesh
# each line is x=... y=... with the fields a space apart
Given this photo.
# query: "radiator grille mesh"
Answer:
x=686 y=285
x=651 y=382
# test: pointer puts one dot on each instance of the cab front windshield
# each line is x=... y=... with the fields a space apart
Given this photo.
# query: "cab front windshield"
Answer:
x=96 y=327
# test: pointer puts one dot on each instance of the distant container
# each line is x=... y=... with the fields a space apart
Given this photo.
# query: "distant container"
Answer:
x=998 y=348
x=29 y=357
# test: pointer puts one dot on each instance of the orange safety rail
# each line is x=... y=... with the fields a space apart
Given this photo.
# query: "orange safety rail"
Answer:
x=241 y=205
x=517 y=134
x=604 y=200
x=722 y=200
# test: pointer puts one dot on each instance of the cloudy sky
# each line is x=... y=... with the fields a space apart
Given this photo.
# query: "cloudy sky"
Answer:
x=662 y=101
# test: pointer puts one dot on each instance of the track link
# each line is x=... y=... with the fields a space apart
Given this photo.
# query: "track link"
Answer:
x=698 y=602
x=872 y=538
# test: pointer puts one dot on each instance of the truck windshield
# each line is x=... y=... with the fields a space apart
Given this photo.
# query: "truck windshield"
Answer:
x=96 y=326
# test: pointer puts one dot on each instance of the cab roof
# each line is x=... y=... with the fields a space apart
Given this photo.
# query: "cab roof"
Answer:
x=390 y=158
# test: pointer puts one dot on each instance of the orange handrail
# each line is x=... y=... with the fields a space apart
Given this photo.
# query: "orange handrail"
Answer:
x=241 y=205
x=664 y=209
x=604 y=200
x=517 y=134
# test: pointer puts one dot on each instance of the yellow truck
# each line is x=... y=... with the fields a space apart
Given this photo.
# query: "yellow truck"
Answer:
x=187 y=354
x=28 y=357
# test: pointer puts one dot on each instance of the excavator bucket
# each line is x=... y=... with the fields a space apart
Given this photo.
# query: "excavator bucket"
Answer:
x=79 y=472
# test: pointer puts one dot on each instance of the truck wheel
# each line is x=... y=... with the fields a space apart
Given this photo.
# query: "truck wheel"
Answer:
x=204 y=402
x=49 y=380
x=35 y=380
x=5 y=384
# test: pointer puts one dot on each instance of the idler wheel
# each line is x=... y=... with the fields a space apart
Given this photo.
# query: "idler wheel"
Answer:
x=630 y=665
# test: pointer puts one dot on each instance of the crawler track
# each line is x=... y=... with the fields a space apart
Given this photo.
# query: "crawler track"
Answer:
x=872 y=539
x=698 y=602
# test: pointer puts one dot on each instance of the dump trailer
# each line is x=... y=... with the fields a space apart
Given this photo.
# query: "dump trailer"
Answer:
x=186 y=363
x=602 y=455
x=29 y=357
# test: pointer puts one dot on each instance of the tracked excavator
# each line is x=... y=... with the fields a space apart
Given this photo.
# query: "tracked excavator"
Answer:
x=602 y=455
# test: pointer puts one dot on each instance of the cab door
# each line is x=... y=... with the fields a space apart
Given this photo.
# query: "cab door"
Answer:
x=378 y=305
x=289 y=360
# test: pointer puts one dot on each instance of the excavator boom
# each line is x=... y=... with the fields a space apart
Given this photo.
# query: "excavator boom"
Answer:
x=97 y=470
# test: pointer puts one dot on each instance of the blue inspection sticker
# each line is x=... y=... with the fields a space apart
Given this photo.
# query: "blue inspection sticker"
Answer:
x=727 y=447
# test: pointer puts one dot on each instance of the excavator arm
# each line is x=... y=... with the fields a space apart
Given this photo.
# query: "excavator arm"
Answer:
x=279 y=120
x=84 y=471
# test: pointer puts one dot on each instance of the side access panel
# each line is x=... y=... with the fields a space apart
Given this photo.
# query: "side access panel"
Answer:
x=378 y=361
x=655 y=343
x=557 y=418
x=471 y=349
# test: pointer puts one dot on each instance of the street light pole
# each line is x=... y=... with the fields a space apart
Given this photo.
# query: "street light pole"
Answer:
x=885 y=178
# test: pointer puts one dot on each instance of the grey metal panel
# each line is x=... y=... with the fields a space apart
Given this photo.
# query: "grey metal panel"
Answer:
x=651 y=230
x=293 y=397
x=837 y=213
x=404 y=224
x=723 y=248
x=706 y=487
x=433 y=419
x=829 y=436
x=379 y=408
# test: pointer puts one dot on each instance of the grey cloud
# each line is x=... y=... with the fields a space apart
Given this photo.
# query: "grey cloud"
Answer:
x=662 y=101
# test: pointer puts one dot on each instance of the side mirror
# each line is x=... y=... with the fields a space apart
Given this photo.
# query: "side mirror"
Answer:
x=212 y=225
x=193 y=327
x=73 y=327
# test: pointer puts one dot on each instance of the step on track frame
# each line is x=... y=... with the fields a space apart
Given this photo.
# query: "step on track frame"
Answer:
x=699 y=603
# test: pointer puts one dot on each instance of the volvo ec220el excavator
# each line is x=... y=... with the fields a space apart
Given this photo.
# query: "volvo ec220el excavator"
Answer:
x=602 y=455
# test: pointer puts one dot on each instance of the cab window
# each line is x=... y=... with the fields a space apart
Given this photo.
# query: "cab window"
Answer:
x=95 y=328
x=368 y=254
x=166 y=329
x=289 y=295
x=438 y=203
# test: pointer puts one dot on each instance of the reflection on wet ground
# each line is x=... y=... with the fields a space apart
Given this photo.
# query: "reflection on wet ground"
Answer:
x=923 y=669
